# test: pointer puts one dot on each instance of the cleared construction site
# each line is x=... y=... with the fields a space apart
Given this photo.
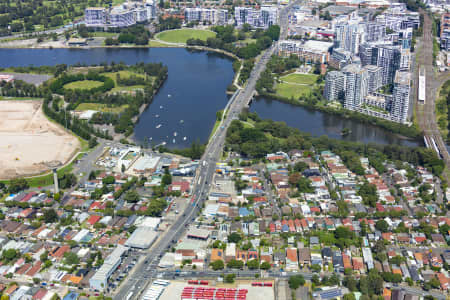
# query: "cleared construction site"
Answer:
x=29 y=143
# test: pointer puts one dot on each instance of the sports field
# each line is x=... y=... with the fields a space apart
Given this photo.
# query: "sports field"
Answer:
x=182 y=35
x=300 y=78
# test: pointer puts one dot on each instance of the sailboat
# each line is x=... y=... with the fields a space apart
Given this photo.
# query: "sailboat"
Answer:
x=158 y=126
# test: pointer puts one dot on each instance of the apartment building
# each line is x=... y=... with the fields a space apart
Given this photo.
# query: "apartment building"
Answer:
x=262 y=18
x=207 y=15
x=334 y=86
x=124 y=15
x=309 y=51
x=355 y=85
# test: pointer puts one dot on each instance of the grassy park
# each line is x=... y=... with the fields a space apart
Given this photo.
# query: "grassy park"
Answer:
x=182 y=35
x=295 y=85
x=83 y=85
x=101 y=107
x=124 y=74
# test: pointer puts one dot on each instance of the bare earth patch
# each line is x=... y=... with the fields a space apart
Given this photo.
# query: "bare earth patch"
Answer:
x=29 y=143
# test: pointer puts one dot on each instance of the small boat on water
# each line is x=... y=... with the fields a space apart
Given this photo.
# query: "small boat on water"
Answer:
x=185 y=138
x=169 y=95
x=157 y=116
x=150 y=138
x=158 y=126
x=163 y=143
x=161 y=107
x=173 y=141
x=175 y=133
x=181 y=121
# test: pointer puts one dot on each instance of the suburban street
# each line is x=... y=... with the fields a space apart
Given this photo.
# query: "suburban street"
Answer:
x=147 y=270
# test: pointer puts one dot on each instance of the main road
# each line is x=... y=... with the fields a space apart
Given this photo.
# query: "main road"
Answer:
x=146 y=270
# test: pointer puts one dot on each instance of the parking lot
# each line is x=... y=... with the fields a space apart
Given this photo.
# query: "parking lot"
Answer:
x=175 y=288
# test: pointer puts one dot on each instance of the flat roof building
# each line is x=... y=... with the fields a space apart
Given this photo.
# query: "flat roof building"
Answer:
x=100 y=279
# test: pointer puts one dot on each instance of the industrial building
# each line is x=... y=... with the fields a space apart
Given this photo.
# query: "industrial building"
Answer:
x=142 y=238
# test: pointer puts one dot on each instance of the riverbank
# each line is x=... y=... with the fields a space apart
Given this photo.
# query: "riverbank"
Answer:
x=402 y=131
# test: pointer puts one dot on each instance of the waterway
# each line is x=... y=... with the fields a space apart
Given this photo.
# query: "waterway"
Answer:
x=320 y=123
x=196 y=84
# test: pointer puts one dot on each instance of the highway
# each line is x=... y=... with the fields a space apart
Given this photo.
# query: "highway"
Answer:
x=146 y=270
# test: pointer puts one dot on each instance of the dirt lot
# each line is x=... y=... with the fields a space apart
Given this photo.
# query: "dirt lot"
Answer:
x=29 y=143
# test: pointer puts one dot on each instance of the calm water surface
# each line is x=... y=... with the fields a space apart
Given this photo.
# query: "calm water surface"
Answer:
x=319 y=123
x=196 y=84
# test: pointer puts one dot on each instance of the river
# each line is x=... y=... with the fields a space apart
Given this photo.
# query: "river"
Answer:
x=320 y=123
x=196 y=84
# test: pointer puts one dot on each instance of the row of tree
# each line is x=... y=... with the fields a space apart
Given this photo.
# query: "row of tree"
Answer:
x=268 y=136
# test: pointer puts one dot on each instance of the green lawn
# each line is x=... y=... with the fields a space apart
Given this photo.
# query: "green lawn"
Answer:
x=127 y=88
x=300 y=78
x=292 y=90
x=101 y=107
x=83 y=85
x=156 y=44
x=182 y=35
x=123 y=74
x=104 y=34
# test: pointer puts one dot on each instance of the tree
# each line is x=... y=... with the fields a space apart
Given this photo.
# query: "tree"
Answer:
x=349 y=296
x=71 y=258
x=123 y=168
x=132 y=196
x=315 y=279
x=167 y=178
x=235 y=264
x=316 y=268
x=265 y=265
x=296 y=281
x=234 y=238
x=10 y=254
x=93 y=142
x=382 y=226
x=351 y=283
x=17 y=185
x=229 y=278
x=217 y=265
x=50 y=216
x=253 y=264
